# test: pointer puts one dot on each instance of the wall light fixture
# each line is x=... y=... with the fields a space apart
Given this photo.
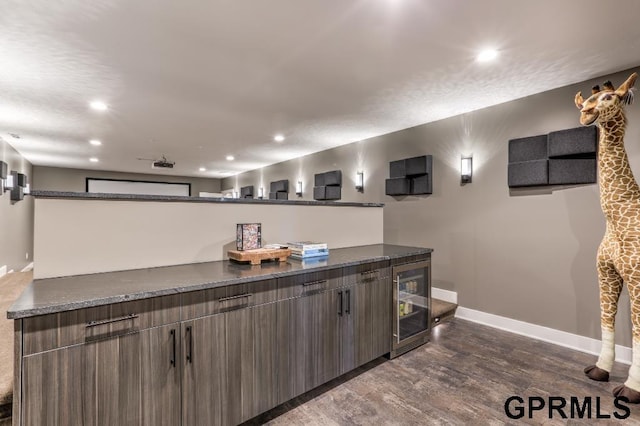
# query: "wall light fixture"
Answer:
x=360 y=181
x=466 y=169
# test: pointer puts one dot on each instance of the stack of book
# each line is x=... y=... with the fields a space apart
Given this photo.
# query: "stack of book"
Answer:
x=308 y=250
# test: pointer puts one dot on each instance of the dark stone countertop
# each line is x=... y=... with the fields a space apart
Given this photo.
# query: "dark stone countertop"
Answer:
x=184 y=199
x=51 y=295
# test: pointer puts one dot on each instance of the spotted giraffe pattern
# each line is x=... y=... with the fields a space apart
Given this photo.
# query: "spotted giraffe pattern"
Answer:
x=618 y=259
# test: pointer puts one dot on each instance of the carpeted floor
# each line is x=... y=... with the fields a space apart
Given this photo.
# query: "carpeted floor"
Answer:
x=11 y=285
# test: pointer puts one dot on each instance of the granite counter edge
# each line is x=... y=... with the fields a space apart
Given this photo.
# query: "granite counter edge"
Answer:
x=15 y=313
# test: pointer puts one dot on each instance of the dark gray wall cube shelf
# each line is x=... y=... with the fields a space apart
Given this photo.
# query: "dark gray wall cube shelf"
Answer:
x=246 y=192
x=572 y=171
x=527 y=149
x=411 y=176
x=327 y=192
x=328 y=185
x=528 y=173
x=397 y=169
x=279 y=186
x=278 y=195
x=581 y=141
x=565 y=157
x=397 y=186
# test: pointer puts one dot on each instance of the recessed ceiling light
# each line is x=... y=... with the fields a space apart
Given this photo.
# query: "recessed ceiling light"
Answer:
x=202 y=169
x=93 y=159
x=230 y=158
x=278 y=138
x=95 y=142
x=487 y=55
x=99 y=106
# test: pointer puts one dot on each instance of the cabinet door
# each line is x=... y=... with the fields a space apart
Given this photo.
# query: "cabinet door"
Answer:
x=204 y=385
x=160 y=364
x=53 y=389
x=363 y=319
x=265 y=384
x=347 y=300
x=325 y=351
x=381 y=313
x=308 y=336
x=112 y=376
x=240 y=352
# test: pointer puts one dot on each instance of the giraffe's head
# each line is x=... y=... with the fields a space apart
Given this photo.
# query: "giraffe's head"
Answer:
x=605 y=104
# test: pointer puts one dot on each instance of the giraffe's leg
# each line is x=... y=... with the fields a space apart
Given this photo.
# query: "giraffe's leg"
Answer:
x=631 y=388
x=610 y=283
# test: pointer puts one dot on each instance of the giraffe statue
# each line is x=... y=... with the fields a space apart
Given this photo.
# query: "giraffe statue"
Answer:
x=618 y=257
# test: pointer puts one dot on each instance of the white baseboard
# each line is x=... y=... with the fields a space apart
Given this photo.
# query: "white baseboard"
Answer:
x=446 y=295
x=27 y=268
x=546 y=334
x=3 y=270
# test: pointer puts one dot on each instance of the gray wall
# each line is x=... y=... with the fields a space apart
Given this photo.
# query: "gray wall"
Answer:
x=16 y=218
x=74 y=180
x=527 y=254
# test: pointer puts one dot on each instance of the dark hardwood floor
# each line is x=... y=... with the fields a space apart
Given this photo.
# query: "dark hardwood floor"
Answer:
x=462 y=377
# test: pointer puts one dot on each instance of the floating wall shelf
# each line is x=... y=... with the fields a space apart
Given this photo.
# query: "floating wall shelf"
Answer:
x=565 y=157
x=411 y=176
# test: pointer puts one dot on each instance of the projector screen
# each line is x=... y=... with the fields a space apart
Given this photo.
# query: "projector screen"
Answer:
x=115 y=186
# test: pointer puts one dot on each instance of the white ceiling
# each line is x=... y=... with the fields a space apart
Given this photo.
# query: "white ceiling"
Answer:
x=198 y=80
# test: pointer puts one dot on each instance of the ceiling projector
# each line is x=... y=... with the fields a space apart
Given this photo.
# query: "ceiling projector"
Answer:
x=162 y=164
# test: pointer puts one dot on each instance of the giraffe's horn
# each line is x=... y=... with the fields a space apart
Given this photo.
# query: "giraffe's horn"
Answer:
x=625 y=88
x=608 y=85
x=595 y=89
x=579 y=100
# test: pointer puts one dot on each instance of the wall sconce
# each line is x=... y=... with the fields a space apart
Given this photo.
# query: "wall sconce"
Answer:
x=18 y=182
x=9 y=182
x=299 y=188
x=261 y=193
x=466 y=169
x=4 y=168
x=360 y=181
x=236 y=194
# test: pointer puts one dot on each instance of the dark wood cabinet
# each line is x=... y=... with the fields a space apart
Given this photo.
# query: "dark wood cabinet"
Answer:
x=219 y=356
x=124 y=380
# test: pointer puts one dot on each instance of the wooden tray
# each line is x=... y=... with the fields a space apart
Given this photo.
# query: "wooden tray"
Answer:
x=256 y=256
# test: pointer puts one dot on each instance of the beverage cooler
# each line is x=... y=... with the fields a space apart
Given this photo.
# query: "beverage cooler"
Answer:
x=411 y=306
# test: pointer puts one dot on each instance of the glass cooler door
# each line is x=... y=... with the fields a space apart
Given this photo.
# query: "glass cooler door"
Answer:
x=412 y=302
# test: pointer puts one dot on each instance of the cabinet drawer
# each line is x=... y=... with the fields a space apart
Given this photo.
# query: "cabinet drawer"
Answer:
x=200 y=303
x=367 y=272
x=51 y=331
x=309 y=283
x=410 y=259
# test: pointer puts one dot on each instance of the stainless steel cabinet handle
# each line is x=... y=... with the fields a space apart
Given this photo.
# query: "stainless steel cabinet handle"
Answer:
x=239 y=296
x=315 y=283
x=188 y=332
x=109 y=321
x=348 y=295
x=172 y=360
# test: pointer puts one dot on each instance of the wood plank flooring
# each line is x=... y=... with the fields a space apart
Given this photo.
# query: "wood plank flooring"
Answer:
x=462 y=377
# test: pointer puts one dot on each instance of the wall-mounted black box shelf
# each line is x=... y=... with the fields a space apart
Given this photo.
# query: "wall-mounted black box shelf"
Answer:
x=397 y=186
x=564 y=171
x=279 y=186
x=328 y=185
x=565 y=157
x=574 y=143
x=411 y=176
x=279 y=195
x=246 y=192
x=528 y=173
x=327 y=192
